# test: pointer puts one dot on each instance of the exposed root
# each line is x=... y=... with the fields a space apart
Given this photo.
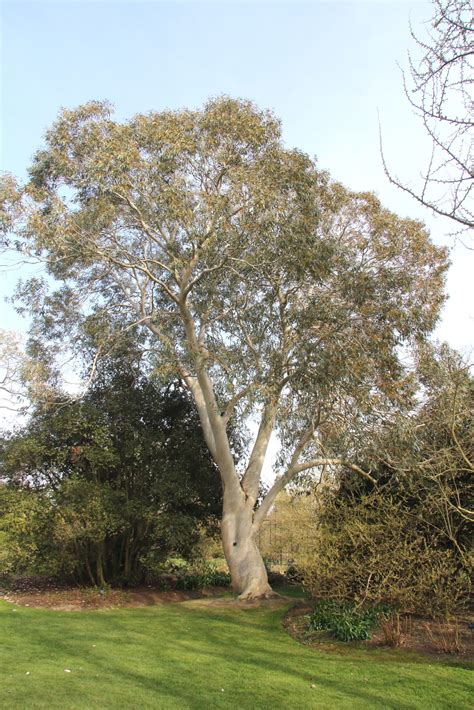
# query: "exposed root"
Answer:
x=249 y=595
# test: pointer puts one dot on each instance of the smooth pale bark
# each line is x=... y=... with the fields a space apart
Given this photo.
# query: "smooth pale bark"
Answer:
x=247 y=570
x=238 y=530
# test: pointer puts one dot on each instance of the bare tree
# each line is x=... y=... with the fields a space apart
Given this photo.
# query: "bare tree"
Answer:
x=439 y=91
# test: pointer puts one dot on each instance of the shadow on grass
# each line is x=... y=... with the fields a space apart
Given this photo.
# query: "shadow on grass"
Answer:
x=188 y=655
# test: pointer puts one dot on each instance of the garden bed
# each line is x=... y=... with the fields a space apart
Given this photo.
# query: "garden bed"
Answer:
x=37 y=592
x=420 y=635
x=44 y=594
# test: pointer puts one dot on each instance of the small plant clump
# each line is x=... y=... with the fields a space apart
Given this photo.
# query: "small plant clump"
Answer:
x=188 y=581
x=345 y=621
x=183 y=577
x=395 y=628
x=446 y=638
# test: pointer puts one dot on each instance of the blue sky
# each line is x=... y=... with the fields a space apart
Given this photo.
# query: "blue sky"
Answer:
x=324 y=68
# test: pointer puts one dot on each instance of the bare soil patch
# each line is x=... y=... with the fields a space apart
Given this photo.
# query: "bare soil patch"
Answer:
x=50 y=596
x=417 y=637
x=274 y=602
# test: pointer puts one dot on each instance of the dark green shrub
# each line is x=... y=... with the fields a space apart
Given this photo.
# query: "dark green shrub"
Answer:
x=166 y=584
x=199 y=576
x=189 y=582
x=352 y=626
x=106 y=488
x=345 y=621
x=324 y=614
x=219 y=579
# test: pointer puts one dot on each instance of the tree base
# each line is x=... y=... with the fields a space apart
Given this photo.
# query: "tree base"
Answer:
x=250 y=595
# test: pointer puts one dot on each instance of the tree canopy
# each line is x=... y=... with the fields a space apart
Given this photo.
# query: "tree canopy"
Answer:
x=272 y=292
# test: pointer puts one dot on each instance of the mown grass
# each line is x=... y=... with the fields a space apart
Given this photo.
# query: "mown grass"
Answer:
x=190 y=656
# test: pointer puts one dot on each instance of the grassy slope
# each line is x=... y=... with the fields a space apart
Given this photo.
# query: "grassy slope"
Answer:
x=180 y=656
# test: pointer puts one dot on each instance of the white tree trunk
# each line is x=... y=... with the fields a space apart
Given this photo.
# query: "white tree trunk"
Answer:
x=247 y=570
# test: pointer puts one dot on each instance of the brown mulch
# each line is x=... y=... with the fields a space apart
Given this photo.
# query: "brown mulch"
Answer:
x=49 y=594
x=65 y=598
x=416 y=637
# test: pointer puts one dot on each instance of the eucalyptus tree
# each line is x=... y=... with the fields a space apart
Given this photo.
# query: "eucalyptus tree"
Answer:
x=276 y=295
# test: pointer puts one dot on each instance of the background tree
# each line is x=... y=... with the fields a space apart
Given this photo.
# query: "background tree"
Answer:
x=285 y=530
x=22 y=378
x=440 y=92
x=103 y=488
x=272 y=292
x=10 y=370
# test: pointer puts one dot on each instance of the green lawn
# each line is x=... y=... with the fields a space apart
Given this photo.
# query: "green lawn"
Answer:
x=180 y=656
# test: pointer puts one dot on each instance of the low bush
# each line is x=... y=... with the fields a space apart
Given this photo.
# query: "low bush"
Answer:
x=188 y=581
x=446 y=637
x=199 y=575
x=351 y=626
x=395 y=629
x=375 y=550
x=322 y=617
x=345 y=621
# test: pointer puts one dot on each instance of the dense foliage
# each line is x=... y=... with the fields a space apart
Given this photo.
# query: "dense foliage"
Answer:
x=103 y=488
